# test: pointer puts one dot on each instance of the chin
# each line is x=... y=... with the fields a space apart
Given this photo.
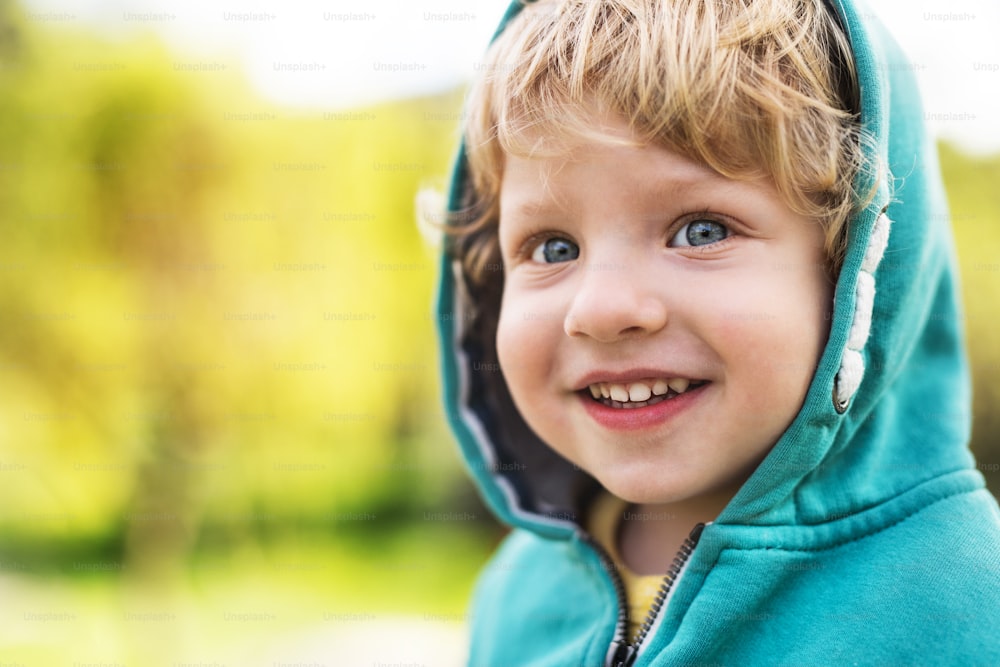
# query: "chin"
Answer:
x=640 y=492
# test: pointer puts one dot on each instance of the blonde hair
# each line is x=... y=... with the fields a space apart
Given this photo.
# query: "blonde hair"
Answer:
x=750 y=88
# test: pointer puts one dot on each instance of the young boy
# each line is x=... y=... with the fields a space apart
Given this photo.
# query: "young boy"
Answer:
x=702 y=346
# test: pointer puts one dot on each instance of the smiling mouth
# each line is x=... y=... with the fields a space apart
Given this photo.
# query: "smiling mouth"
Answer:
x=640 y=393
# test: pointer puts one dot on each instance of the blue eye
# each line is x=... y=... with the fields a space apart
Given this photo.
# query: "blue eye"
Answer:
x=555 y=250
x=700 y=233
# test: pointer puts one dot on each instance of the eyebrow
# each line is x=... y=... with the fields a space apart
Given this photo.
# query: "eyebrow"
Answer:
x=534 y=208
x=686 y=183
x=687 y=180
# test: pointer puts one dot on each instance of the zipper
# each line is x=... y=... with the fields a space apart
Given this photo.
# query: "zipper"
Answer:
x=622 y=653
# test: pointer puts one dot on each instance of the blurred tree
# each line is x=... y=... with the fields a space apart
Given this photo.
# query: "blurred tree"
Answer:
x=216 y=311
x=975 y=208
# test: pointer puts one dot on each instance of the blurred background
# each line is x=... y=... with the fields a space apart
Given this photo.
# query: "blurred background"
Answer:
x=221 y=441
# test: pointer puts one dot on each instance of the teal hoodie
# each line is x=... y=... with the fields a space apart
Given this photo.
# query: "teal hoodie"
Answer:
x=866 y=536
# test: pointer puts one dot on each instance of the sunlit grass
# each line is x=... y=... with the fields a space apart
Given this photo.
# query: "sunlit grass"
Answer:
x=254 y=605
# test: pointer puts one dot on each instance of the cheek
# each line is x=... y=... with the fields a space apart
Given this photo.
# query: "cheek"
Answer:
x=806 y=313
x=529 y=334
x=803 y=337
x=507 y=332
x=515 y=331
x=777 y=328
x=527 y=314
x=506 y=345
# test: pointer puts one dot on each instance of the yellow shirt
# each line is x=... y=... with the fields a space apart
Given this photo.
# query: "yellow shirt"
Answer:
x=606 y=515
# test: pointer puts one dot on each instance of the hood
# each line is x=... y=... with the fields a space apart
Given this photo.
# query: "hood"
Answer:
x=889 y=404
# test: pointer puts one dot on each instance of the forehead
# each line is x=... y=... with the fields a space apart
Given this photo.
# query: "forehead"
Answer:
x=605 y=145
x=533 y=186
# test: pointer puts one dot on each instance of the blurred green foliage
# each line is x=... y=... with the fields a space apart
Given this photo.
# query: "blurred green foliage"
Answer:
x=217 y=350
x=217 y=312
x=971 y=183
x=217 y=358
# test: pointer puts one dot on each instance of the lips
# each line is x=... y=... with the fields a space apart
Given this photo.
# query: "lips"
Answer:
x=639 y=393
x=654 y=411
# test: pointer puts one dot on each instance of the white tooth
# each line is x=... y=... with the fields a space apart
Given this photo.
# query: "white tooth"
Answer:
x=660 y=387
x=595 y=391
x=679 y=385
x=619 y=393
x=605 y=392
x=638 y=392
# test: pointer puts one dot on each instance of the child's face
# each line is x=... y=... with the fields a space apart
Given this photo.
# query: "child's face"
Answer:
x=634 y=267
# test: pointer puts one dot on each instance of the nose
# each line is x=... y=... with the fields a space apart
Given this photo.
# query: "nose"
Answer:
x=615 y=303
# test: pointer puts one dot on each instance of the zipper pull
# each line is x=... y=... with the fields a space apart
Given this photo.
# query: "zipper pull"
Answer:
x=695 y=534
x=623 y=656
x=621 y=653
